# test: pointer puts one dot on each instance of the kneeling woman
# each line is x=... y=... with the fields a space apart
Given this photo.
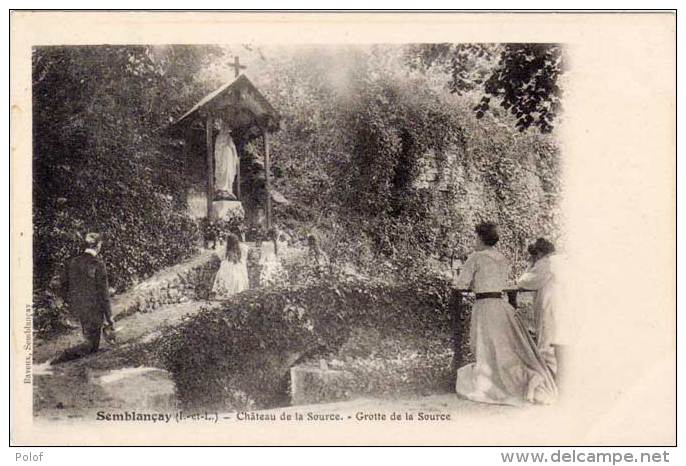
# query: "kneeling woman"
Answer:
x=508 y=368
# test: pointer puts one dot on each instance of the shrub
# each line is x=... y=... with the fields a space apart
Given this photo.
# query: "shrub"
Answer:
x=134 y=248
x=219 y=229
x=401 y=364
x=242 y=350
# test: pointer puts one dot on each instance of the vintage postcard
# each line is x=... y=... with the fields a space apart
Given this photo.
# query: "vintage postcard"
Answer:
x=343 y=228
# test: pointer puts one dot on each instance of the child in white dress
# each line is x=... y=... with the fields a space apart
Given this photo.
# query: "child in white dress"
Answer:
x=232 y=276
x=272 y=271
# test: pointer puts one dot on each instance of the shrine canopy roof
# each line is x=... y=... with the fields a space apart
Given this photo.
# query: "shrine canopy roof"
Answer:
x=239 y=104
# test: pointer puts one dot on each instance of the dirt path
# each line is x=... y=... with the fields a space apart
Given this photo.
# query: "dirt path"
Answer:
x=67 y=391
x=131 y=328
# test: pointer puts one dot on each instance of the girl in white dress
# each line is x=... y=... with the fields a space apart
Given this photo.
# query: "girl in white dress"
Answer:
x=232 y=276
x=508 y=369
x=272 y=271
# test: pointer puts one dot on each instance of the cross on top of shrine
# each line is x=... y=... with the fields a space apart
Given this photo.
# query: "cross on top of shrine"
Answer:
x=237 y=67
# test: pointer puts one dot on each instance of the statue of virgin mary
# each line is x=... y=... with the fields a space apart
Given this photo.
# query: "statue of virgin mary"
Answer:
x=226 y=165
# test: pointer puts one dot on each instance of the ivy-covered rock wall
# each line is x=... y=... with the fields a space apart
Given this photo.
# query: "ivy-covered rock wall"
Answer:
x=392 y=168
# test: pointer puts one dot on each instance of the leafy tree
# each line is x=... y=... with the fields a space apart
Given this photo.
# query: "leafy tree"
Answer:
x=101 y=163
x=522 y=78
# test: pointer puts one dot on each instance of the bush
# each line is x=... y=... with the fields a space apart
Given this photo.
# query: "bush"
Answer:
x=219 y=229
x=134 y=248
x=49 y=313
x=238 y=355
x=401 y=364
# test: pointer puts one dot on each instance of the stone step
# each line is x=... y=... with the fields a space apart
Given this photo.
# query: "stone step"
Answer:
x=138 y=388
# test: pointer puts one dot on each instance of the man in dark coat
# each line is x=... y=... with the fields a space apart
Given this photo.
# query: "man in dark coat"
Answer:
x=88 y=297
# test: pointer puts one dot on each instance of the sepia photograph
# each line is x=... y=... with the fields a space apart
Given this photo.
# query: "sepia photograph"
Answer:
x=304 y=238
x=257 y=234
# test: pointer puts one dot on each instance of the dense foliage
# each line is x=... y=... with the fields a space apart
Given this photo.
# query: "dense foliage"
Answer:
x=100 y=162
x=522 y=78
x=392 y=168
x=390 y=165
x=388 y=153
x=238 y=355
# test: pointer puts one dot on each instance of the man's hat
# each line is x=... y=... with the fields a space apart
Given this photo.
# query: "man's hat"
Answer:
x=92 y=239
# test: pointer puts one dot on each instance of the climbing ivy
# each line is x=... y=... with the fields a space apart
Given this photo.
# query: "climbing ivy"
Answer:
x=354 y=153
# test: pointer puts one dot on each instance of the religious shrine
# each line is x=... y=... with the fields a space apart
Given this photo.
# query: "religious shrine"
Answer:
x=215 y=132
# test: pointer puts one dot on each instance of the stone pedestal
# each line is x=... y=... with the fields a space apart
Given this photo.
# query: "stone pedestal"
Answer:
x=227 y=209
